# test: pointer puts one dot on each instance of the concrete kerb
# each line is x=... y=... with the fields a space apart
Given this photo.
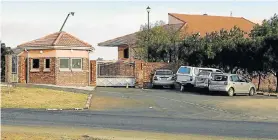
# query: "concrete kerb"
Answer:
x=268 y=94
x=62 y=88
x=87 y=105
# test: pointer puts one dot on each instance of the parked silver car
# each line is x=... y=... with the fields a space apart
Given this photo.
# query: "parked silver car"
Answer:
x=231 y=84
x=163 y=77
x=203 y=78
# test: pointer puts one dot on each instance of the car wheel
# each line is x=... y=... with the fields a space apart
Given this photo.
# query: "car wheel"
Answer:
x=251 y=92
x=231 y=92
x=172 y=86
x=182 y=88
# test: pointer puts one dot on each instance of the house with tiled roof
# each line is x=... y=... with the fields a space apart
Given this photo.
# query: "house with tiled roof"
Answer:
x=186 y=24
x=58 y=58
x=203 y=24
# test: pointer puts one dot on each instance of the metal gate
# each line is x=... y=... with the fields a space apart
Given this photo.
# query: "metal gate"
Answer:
x=115 y=73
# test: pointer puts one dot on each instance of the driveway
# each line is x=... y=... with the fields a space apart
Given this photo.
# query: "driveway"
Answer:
x=170 y=103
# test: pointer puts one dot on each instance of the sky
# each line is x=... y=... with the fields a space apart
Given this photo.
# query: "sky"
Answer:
x=97 y=21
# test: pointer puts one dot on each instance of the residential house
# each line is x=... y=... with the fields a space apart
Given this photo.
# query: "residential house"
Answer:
x=186 y=24
x=58 y=59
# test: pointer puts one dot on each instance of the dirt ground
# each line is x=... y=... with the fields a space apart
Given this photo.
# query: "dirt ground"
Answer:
x=22 y=97
x=71 y=133
x=253 y=104
x=105 y=103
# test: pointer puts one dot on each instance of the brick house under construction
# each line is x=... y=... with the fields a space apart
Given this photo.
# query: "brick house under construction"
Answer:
x=58 y=59
x=184 y=23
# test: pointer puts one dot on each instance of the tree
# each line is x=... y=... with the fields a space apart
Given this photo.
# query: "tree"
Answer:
x=157 y=43
x=267 y=36
x=4 y=51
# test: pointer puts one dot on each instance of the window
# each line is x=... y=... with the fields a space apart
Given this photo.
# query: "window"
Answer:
x=14 y=64
x=220 y=78
x=64 y=63
x=126 y=54
x=207 y=73
x=163 y=72
x=76 y=63
x=47 y=64
x=234 y=78
x=218 y=71
x=184 y=70
x=35 y=63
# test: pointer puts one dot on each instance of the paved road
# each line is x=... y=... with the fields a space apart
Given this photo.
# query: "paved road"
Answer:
x=131 y=122
x=173 y=112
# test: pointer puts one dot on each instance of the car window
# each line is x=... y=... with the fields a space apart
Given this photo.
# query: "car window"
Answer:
x=201 y=70
x=241 y=79
x=235 y=78
x=164 y=73
x=184 y=70
x=220 y=78
x=218 y=71
x=204 y=73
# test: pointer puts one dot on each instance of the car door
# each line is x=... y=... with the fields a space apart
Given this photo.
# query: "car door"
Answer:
x=237 y=84
x=245 y=85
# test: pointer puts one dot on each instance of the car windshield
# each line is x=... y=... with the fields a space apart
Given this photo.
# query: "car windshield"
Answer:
x=220 y=78
x=184 y=70
x=164 y=72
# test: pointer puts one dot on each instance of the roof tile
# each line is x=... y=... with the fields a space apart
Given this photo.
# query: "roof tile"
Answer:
x=207 y=24
x=56 y=39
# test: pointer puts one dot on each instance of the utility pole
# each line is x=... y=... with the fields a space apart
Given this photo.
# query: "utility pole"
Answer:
x=148 y=10
x=70 y=13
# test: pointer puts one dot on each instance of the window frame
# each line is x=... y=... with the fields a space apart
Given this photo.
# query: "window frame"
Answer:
x=77 y=69
x=14 y=64
x=32 y=68
x=69 y=64
x=126 y=53
x=44 y=68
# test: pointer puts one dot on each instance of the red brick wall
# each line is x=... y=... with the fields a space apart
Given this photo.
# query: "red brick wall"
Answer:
x=116 y=69
x=21 y=69
x=150 y=67
x=93 y=79
x=73 y=78
x=144 y=71
x=42 y=77
x=268 y=83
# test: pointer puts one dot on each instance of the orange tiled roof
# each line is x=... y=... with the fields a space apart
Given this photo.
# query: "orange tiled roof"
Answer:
x=56 y=39
x=206 y=23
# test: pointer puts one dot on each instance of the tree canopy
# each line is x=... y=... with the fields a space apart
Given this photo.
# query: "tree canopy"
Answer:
x=231 y=50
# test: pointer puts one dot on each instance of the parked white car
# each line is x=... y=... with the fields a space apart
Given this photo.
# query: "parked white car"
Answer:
x=203 y=78
x=231 y=84
x=163 y=77
x=186 y=75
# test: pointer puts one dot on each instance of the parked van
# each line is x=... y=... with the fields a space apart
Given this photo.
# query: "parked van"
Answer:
x=186 y=75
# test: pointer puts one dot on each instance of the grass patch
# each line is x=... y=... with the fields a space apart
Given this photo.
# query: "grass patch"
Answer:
x=74 y=133
x=104 y=103
x=22 y=97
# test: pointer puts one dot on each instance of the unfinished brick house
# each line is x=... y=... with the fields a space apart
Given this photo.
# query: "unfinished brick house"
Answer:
x=186 y=24
x=58 y=59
